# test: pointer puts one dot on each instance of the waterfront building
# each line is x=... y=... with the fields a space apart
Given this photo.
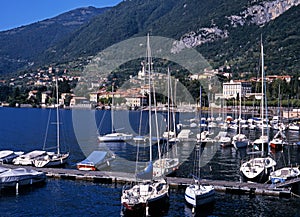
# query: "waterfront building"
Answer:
x=293 y=114
x=136 y=101
x=232 y=88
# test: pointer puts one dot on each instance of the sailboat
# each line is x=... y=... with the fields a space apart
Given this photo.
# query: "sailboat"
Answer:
x=167 y=164
x=258 y=169
x=114 y=136
x=197 y=194
x=147 y=193
x=240 y=140
x=53 y=159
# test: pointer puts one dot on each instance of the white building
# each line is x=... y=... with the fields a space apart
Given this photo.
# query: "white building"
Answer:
x=136 y=101
x=232 y=88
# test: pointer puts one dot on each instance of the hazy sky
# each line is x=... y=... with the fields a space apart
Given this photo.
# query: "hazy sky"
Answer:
x=15 y=13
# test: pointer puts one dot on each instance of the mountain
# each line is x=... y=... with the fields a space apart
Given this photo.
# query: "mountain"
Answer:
x=21 y=47
x=226 y=32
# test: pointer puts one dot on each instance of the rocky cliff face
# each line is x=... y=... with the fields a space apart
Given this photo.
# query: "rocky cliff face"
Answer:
x=262 y=13
x=259 y=13
x=199 y=37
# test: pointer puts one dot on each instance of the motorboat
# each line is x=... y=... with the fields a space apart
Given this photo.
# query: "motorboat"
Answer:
x=284 y=174
x=20 y=177
x=96 y=160
x=7 y=156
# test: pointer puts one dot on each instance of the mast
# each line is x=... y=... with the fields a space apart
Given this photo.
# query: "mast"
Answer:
x=262 y=94
x=240 y=109
x=168 y=126
x=149 y=60
x=200 y=113
x=112 y=108
x=57 y=117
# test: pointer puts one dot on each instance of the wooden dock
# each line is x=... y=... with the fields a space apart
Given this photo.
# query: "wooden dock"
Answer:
x=108 y=177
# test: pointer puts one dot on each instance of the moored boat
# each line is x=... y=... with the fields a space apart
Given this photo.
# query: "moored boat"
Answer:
x=199 y=195
x=20 y=177
x=95 y=161
x=284 y=174
x=7 y=156
x=115 y=137
x=147 y=194
x=278 y=141
x=28 y=158
x=257 y=169
x=53 y=158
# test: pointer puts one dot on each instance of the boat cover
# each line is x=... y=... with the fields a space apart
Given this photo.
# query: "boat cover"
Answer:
x=94 y=158
x=15 y=175
x=5 y=153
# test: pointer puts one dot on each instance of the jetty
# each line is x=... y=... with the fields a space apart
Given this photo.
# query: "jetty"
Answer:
x=282 y=190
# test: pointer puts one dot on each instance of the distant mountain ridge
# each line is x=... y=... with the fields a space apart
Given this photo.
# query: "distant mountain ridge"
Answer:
x=225 y=32
x=20 y=47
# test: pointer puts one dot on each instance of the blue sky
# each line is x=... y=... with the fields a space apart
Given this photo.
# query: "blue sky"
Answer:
x=15 y=13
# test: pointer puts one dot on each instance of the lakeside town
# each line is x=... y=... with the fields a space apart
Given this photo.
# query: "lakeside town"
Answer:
x=41 y=88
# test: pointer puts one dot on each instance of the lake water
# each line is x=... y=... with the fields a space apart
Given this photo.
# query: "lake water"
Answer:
x=26 y=129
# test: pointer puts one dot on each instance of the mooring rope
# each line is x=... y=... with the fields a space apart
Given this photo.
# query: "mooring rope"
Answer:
x=295 y=195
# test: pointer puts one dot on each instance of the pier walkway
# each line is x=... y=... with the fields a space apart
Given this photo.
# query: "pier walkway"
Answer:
x=108 y=177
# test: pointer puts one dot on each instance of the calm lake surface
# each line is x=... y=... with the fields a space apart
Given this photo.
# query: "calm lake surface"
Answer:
x=28 y=129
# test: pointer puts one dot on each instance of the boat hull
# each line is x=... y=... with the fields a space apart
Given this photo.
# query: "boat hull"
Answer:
x=284 y=174
x=145 y=197
x=21 y=177
x=196 y=195
x=115 y=137
x=56 y=160
x=257 y=169
x=154 y=206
